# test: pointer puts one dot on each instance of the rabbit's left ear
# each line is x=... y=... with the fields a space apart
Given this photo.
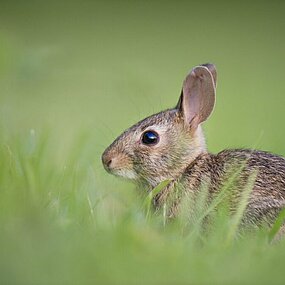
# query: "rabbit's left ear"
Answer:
x=197 y=98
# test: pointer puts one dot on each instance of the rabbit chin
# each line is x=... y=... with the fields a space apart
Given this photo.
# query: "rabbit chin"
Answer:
x=125 y=173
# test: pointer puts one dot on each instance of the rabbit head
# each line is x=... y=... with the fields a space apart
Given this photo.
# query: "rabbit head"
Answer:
x=161 y=146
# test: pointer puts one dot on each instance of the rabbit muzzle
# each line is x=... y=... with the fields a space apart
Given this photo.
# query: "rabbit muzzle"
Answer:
x=118 y=164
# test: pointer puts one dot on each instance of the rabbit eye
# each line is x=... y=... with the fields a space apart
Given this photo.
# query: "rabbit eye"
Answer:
x=150 y=138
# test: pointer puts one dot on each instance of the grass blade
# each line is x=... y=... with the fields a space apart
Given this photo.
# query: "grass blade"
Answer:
x=277 y=225
x=237 y=217
x=148 y=200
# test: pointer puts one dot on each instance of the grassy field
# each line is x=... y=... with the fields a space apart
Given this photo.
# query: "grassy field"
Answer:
x=73 y=75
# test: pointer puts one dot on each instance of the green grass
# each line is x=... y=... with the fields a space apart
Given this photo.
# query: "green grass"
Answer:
x=72 y=77
x=59 y=225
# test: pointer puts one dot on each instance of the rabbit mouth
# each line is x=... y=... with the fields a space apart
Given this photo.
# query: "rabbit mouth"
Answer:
x=125 y=173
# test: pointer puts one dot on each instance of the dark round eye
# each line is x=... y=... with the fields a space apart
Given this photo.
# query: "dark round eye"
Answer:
x=150 y=138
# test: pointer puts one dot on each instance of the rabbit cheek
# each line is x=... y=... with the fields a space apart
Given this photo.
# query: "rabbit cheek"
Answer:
x=147 y=164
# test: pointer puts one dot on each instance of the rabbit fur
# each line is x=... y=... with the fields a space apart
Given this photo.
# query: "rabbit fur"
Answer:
x=179 y=154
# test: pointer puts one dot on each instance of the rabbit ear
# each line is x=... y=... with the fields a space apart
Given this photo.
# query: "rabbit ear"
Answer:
x=211 y=67
x=198 y=95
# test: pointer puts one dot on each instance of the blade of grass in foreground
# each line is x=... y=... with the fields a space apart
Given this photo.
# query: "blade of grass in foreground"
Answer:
x=148 y=200
x=223 y=193
x=216 y=202
x=236 y=219
x=277 y=225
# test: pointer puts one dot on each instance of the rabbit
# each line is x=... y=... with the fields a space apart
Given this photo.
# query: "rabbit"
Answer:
x=170 y=145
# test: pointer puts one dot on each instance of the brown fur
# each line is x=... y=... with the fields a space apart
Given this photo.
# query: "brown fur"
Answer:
x=268 y=193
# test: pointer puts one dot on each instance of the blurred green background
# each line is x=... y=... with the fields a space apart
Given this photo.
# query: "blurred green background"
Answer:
x=76 y=74
x=103 y=65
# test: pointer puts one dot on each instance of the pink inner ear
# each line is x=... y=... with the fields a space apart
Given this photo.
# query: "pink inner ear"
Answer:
x=198 y=96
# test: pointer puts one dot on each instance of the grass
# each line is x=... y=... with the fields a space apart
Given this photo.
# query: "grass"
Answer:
x=72 y=77
x=59 y=227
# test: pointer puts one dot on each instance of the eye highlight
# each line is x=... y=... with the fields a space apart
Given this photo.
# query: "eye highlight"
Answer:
x=150 y=138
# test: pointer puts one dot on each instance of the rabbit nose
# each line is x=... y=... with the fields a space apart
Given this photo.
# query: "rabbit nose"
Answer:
x=107 y=161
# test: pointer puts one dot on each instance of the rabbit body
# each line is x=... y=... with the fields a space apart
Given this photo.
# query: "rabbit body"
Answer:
x=170 y=145
x=267 y=193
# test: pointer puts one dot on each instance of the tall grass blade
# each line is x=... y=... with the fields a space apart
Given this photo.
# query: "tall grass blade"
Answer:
x=223 y=192
x=237 y=217
x=277 y=225
x=148 y=200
